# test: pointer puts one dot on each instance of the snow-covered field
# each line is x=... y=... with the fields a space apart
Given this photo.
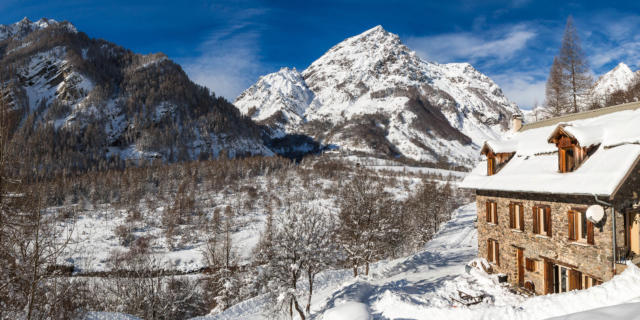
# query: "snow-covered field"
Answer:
x=423 y=285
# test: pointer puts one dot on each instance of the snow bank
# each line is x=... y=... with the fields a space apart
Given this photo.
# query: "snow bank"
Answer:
x=348 y=311
x=627 y=311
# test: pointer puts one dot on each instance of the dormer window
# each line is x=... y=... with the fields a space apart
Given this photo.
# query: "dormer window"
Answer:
x=570 y=153
x=495 y=160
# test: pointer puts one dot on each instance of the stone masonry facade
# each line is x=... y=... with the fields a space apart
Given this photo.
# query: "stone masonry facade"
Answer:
x=592 y=260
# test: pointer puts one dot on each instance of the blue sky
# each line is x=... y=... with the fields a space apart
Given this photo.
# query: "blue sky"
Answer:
x=227 y=45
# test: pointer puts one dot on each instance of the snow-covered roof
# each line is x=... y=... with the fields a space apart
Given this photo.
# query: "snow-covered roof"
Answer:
x=496 y=146
x=534 y=168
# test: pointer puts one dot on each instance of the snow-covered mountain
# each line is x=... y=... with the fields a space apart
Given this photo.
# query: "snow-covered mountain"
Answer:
x=96 y=100
x=619 y=78
x=25 y=26
x=372 y=94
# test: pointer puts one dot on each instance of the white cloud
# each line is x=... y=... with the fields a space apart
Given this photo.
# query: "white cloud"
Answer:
x=525 y=89
x=501 y=43
x=228 y=61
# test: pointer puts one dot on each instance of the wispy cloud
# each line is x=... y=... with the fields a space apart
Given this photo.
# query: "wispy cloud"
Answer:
x=502 y=43
x=525 y=88
x=613 y=38
x=228 y=60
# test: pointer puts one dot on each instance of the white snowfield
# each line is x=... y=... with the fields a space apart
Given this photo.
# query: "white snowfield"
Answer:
x=534 y=167
x=421 y=286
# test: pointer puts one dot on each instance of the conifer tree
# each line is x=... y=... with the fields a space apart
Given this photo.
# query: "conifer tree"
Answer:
x=575 y=67
x=556 y=91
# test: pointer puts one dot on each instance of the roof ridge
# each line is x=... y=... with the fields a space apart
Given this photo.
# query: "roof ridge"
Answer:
x=581 y=115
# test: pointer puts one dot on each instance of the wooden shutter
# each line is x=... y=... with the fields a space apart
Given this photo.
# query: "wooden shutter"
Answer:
x=572 y=225
x=589 y=232
x=490 y=250
x=511 y=216
x=561 y=160
x=575 y=280
x=536 y=228
x=490 y=166
x=494 y=209
x=497 y=245
x=488 y=211
x=547 y=212
x=548 y=277
x=521 y=208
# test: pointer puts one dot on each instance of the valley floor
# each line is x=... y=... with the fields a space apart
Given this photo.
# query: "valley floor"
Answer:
x=424 y=285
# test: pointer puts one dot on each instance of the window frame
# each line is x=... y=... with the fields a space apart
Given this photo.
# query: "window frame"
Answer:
x=491 y=214
x=542 y=220
x=583 y=229
x=493 y=251
x=516 y=216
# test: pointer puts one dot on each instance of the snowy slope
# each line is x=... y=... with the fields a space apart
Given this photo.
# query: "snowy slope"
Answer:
x=619 y=78
x=422 y=110
x=421 y=286
x=284 y=97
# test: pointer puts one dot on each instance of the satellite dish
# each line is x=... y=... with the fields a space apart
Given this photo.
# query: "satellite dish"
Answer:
x=595 y=213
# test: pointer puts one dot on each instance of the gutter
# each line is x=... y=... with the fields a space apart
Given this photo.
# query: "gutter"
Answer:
x=613 y=228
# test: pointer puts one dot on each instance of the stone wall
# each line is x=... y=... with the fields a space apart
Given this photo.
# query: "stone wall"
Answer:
x=593 y=260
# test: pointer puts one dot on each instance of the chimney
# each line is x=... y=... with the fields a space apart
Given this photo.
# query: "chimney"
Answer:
x=516 y=122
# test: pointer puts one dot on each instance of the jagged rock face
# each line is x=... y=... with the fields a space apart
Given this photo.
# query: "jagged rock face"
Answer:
x=371 y=93
x=99 y=101
x=619 y=78
x=277 y=99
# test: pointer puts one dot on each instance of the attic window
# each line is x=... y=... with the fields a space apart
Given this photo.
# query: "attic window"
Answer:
x=570 y=153
x=495 y=160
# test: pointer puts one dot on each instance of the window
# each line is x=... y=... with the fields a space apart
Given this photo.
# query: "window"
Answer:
x=530 y=265
x=542 y=220
x=588 y=282
x=516 y=216
x=566 y=279
x=580 y=229
x=493 y=251
x=492 y=212
x=566 y=160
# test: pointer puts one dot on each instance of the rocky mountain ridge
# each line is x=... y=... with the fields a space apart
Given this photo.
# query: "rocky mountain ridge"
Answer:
x=371 y=94
x=77 y=103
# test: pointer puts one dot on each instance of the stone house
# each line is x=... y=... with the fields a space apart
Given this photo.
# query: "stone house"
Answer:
x=558 y=202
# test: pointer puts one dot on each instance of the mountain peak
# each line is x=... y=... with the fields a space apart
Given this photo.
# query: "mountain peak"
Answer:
x=619 y=78
x=25 y=26
x=622 y=68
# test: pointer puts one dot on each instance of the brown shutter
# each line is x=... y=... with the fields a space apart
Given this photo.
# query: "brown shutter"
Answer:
x=521 y=217
x=497 y=252
x=589 y=232
x=494 y=208
x=488 y=205
x=572 y=280
x=511 y=216
x=490 y=250
x=534 y=216
x=575 y=280
x=547 y=212
x=548 y=277
x=571 y=225
x=561 y=163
